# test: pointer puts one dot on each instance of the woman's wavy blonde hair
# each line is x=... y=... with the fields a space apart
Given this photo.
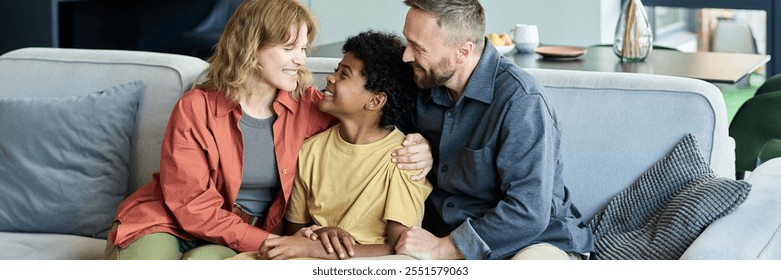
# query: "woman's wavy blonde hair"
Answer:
x=256 y=24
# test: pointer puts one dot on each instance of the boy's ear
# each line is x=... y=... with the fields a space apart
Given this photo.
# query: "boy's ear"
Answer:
x=377 y=102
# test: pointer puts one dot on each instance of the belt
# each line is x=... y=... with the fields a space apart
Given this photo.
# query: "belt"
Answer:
x=246 y=217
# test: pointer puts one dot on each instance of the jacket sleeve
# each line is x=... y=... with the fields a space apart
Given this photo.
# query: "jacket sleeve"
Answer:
x=189 y=180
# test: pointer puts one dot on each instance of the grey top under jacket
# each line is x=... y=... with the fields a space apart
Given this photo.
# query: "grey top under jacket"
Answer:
x=260 y=180
x=497 y=170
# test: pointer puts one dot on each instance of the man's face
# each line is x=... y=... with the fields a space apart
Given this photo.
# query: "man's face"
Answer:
x=427 y=50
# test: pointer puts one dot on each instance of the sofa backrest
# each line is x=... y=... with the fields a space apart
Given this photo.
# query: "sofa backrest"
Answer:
x=615 y=126
x=52 y=72
x=320 y=68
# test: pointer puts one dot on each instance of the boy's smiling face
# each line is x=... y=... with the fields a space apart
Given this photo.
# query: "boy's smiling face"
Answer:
x=345 y=91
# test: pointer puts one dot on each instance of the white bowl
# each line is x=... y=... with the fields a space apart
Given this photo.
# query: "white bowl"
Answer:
x=505 y=49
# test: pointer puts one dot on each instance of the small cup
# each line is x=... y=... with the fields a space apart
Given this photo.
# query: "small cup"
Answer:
x=526 y=37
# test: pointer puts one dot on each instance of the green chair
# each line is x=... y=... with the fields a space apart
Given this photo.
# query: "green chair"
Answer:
x=756 y=129
x=770 y=85
x=771 y=149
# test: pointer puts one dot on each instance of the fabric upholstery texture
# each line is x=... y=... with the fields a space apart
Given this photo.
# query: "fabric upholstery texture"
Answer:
x=667 y=208
x=64 y=72
x=70 y=72
x=49 y=246
x=64 y=168
x=753 y=230
x=614 y=126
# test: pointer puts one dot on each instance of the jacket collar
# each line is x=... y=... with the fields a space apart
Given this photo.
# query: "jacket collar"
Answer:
x=224 y=106
x=481 y=83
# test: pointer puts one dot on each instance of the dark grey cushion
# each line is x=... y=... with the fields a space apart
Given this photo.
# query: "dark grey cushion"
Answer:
x=664 y=211
x=64 y=161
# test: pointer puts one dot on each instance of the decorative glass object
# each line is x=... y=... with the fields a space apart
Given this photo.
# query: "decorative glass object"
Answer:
x=634 y=39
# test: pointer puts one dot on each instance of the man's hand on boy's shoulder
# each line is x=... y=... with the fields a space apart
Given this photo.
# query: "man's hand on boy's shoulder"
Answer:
x=415 y=154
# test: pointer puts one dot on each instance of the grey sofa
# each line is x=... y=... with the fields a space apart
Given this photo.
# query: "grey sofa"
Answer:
x=615 y=126
x=50 y=72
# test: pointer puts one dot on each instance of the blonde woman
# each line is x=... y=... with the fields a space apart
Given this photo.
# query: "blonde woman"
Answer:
x=230 y=150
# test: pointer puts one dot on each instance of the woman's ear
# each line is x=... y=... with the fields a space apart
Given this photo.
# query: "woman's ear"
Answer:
x=377 y=102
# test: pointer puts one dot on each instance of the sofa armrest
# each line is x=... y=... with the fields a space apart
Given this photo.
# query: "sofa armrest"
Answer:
x=753 y=230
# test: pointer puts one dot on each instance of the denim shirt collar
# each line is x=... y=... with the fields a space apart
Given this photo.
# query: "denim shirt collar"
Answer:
x=480 y=85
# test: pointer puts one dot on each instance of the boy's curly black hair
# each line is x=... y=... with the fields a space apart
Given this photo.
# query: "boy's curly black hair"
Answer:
x=385 y=71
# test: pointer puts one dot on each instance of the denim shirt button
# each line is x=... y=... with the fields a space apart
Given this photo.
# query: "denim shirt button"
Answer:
x=444 y=168
x=450 y=114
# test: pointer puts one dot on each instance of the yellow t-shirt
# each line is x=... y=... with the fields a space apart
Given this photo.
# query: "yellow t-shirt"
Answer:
x=355 y=187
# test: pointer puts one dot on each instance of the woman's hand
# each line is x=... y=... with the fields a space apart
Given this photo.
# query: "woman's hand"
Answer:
x=332 y=239
x=416 y=154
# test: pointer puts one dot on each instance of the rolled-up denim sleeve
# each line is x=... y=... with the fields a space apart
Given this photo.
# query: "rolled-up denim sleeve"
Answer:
x=468 y=242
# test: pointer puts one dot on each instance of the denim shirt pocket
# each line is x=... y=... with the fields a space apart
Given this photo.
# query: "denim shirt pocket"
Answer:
x=474 y=172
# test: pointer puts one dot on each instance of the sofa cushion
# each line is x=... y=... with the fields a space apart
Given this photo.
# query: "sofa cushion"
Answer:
x=70 y=72
x=64 y=161
x=49 y=246
x=664 y=211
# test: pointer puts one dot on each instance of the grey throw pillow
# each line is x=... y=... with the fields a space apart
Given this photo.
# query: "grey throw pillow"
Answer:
x=64 y=161
x=663 y=212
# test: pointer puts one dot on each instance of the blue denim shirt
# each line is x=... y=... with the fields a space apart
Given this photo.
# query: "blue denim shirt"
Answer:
x=497 y=170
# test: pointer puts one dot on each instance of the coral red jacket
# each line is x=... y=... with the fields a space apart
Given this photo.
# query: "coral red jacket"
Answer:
x=201 y=169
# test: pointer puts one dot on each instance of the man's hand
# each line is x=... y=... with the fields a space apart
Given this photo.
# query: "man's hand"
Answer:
x=416 y=154
x=421 y=244
x=332 y=239
x=287 y=247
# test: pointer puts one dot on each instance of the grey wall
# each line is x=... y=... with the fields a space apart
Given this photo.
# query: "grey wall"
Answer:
x=560 y=22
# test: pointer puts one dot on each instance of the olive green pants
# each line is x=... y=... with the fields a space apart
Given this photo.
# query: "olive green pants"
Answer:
x=165 y=246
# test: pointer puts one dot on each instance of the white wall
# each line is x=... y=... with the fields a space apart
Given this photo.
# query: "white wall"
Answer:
x=560 y=22
x=611 y=10
x=340 y=19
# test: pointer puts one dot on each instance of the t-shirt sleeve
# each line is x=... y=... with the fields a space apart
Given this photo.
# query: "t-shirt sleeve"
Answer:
x=297 y=208
x=406 y=198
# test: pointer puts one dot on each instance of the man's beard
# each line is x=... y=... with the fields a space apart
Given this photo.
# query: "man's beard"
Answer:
x=431 y=78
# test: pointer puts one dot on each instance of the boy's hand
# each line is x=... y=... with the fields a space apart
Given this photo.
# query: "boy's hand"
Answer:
x=287 y=247
x=333 y=239
x=416 y=154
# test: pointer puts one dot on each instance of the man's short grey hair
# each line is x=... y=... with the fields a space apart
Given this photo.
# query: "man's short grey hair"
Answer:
x=459 y=19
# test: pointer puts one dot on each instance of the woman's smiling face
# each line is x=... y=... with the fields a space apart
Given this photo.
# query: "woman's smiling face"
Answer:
x=281 y=63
